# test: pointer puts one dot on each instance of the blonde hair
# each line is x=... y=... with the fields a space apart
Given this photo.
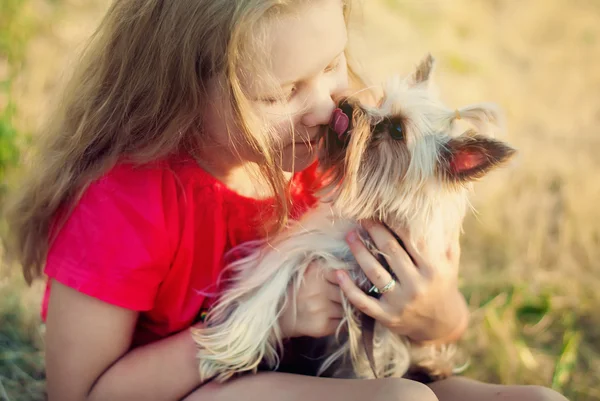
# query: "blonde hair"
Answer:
x=137 y=94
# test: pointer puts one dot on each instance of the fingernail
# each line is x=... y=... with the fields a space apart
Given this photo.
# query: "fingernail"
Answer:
x=352 y=236
x=341 y=276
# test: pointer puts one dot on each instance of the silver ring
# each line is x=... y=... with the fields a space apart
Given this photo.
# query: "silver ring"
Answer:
x=388 y=287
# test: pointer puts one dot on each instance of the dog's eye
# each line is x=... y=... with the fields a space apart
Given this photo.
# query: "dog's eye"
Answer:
x=396 y=131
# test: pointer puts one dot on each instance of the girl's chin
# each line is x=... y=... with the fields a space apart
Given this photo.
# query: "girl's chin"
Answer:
x=299 y=163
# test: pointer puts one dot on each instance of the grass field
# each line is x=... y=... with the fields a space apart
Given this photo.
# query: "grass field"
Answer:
x=531 y=255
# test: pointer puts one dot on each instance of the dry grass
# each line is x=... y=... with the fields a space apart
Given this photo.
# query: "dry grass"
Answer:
x=21 y=359
x=532 y=253
x=531 y=260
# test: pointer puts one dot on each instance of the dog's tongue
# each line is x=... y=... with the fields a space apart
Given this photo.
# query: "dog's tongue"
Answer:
x=339 y=122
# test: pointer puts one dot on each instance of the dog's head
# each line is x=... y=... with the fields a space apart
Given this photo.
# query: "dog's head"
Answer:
x=404 y=154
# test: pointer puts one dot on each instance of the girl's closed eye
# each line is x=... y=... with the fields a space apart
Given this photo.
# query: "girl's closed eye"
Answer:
x=286 y=97
x=293 y=91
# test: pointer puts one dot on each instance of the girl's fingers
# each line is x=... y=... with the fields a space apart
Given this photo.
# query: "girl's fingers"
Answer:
x=453 y=252
x=400 y=262
x=429 y=263
x=413 y=252
x=367 y=262
x=330 y=276
x=364 y=303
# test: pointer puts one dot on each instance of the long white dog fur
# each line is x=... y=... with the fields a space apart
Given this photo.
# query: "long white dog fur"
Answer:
x=419 y=182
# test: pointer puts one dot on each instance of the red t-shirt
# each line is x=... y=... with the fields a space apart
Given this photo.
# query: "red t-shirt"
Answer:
x=152 y=239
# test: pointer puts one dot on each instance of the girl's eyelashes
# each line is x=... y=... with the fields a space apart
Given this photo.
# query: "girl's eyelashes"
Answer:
x=280 y=99
x=276 y=99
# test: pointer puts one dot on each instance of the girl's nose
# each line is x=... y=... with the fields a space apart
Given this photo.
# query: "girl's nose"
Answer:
x=320 y=110
x=323 y=101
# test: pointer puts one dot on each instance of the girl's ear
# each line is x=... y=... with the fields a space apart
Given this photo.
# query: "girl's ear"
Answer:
x=471 y=156
x=423 y=74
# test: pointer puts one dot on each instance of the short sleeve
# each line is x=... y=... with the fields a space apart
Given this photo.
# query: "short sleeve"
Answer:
x=118 y=242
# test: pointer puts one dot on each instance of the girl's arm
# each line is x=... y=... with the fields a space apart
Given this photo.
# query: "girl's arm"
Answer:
x=88 y=344
x=87 y=358
x=86 y=355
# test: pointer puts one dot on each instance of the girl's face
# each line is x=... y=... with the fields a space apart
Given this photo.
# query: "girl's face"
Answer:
x=307 y=71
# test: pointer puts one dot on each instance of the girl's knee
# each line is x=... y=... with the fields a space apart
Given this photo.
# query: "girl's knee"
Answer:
x=406 y=390
x=539 y=393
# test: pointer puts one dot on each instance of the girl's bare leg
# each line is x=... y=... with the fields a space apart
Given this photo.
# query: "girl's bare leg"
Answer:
x=463 y=389
x=291 y=387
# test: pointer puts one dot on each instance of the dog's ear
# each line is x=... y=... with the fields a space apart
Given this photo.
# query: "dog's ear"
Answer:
x=470 y=156
x=423 y=73
x=485 y=118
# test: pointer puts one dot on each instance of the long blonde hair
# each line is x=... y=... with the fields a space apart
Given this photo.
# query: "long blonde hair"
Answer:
x=137 y=94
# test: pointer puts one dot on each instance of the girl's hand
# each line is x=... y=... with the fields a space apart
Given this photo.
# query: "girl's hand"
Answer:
x=318 y=305
x=425 y=303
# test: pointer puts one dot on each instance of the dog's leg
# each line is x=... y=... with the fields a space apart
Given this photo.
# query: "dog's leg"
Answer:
x=243 y=328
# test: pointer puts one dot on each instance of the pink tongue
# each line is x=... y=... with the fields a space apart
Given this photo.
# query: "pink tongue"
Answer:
x=339 y=122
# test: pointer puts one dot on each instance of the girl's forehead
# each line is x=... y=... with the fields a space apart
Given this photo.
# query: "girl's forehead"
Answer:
x=299 y=45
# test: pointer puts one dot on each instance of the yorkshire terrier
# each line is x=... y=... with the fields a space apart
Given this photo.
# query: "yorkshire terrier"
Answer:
x=405 y=162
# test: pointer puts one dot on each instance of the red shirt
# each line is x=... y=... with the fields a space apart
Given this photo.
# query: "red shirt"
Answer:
x=152 y=239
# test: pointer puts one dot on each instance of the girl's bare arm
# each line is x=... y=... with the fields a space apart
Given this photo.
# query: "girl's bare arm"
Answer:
x=87 y=344
x=87 y=358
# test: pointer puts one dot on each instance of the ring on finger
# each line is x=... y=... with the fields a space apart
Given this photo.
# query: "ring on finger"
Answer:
x=388 y=287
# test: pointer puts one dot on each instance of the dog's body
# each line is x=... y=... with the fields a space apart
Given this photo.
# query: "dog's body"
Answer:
x=399 y=163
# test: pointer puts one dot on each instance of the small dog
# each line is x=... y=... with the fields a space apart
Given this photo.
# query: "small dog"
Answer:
x=400 y=163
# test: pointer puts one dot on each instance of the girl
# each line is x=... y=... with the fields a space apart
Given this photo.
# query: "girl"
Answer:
x=190 y=127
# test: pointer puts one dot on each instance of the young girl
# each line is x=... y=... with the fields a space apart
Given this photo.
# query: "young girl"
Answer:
x=190 y=127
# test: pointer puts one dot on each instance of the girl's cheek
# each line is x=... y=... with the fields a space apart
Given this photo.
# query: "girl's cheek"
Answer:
x=343 y=82
x=277 y=129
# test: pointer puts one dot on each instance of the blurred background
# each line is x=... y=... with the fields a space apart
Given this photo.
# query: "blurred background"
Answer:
x=531 y=253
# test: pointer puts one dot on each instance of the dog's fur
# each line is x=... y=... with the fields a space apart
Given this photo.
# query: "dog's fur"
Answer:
x=419 y=182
